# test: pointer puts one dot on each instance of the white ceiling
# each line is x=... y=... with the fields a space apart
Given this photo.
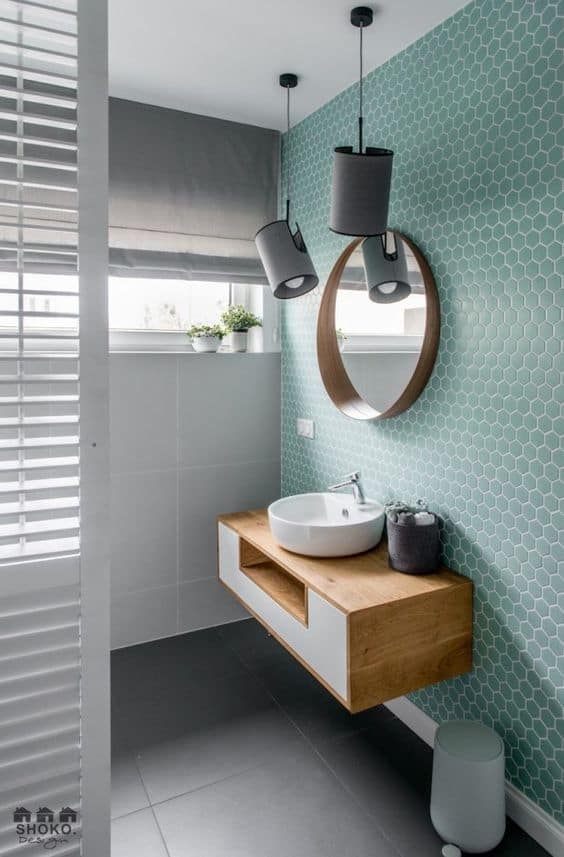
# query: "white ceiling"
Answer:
x=223 y=58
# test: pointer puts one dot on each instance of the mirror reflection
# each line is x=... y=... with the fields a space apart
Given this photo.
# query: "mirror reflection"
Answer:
x=380 y=316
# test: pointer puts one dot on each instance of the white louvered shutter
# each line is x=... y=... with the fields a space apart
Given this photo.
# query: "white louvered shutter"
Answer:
x=41 y=609
x=39 y=390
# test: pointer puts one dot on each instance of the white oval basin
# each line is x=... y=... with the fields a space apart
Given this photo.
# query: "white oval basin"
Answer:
x=325 y=524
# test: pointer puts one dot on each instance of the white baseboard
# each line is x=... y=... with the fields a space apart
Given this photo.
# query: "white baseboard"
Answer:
x=534 y=820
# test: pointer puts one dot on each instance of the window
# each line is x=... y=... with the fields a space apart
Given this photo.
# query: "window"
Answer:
x=143 y=313
x=134 y=304
x=357 y=316
x=164 y=305
x=49 y=311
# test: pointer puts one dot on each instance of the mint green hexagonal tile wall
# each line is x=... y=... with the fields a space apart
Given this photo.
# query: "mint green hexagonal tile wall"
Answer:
x=471 y=113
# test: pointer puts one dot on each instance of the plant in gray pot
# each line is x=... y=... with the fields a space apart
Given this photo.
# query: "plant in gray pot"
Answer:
x=205 y=337
x=237 y=322
x=414 y=545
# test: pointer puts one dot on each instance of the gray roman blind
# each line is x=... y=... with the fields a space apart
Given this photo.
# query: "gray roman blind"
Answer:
x=188 y=193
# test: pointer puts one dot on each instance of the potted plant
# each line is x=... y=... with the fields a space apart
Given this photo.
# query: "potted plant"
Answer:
x=237 y=322
x=206 y=337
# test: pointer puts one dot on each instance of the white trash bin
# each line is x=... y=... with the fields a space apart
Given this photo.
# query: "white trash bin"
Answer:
x=468 y=789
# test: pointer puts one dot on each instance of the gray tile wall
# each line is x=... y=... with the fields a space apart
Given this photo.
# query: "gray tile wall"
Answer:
x=192 y=436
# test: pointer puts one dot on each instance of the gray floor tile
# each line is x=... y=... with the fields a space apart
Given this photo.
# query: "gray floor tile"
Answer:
x=258 y=650
x=293 y=808
x=305 y=701
x=120 y=744
x=193 y=707
x=516 y=843
x=137 y=835
x=388 y=770
x=164 y=666
x=315 y=712
x=200 y=709
x=128 y=792
x=218 y=749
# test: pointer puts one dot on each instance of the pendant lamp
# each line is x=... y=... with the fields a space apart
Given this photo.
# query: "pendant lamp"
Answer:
x=284 y=255
x=385 y=267
x=361 y=180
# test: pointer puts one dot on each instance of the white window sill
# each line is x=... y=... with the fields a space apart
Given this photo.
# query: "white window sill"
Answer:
x=218 y=355
x=167 y=342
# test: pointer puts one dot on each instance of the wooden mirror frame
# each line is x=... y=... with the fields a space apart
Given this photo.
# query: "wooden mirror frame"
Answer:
x=333 y=373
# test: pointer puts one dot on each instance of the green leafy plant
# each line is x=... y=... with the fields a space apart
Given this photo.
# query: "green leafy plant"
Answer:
x=237 y=319
x=198 y=330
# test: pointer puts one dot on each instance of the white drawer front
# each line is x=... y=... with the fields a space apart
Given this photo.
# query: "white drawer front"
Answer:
x=323 y=644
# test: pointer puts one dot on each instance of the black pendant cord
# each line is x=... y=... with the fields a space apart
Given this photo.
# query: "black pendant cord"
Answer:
x=360 y=96
x=288 y=170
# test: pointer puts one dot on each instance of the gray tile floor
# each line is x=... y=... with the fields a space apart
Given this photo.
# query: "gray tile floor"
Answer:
x=223 y=746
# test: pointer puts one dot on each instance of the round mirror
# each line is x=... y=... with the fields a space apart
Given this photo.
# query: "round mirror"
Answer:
x=378 y=327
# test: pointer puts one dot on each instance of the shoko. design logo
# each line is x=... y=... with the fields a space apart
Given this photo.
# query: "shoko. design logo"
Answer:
x=44 y=827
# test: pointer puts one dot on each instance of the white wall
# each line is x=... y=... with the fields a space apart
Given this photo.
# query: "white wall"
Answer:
x=192 y=436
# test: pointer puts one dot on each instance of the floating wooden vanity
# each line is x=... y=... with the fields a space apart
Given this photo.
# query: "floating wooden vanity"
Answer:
x=366 y=632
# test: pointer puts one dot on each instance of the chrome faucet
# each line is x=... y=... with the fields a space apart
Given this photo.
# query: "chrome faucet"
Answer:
x=352 y=481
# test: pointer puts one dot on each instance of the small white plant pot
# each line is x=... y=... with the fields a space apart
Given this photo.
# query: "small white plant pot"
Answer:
x=237 y=340
x=204 y=344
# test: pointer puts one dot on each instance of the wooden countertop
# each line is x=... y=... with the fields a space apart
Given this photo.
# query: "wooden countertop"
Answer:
x=351 y=583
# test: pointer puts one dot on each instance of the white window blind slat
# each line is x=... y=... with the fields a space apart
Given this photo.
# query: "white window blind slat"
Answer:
x=58 y=791
x=30 y=67
x=14 y=422
x=50 y=505
x=39 y=379
x=38 y=86
x=33 y=485
x=71 y=850
x=38 y=442
x=26 y=335
x=40 y=548
x=39 y=205
x=38 y=464
x=47 y=658
x=35 y=728
x=24 y=773
x=16 y=645
x=34 y=527
x=42 y=747
x=65 y=9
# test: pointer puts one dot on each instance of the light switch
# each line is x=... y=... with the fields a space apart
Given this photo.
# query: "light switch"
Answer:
x=305 y=428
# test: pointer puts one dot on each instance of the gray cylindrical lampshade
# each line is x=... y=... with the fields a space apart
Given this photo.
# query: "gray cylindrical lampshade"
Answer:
x=387 y=278
x=361 y=191
x=286 y=261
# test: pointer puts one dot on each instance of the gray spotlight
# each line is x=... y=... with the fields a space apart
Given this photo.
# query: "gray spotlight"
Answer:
x=360 y=191
x=361 y=180
x=284 y=255
x=286 y=261
x=385 y=267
